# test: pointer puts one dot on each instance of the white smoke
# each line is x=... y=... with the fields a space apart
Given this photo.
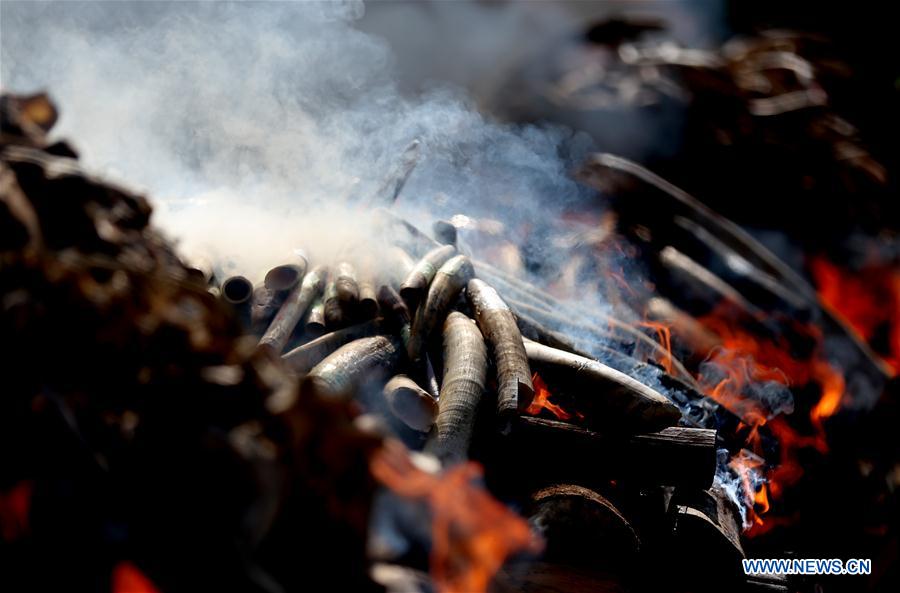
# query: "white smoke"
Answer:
x=251 y=124
x=257 y=128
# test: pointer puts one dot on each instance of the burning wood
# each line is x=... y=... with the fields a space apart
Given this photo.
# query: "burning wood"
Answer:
x=618 y=433
x=673 y=456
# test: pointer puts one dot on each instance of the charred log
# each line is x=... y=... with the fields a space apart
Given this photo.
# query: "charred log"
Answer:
x=673 y=456
x=580 y=526
x=708 y=520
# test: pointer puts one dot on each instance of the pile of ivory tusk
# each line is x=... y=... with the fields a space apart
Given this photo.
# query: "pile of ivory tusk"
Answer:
x=427 y=343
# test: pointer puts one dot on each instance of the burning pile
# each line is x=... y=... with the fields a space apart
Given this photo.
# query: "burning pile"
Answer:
x=435 y=351
x=157 y=433
x=458 y=370
x=624 y=441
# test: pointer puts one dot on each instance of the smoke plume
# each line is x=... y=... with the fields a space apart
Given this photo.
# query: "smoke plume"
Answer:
x=253 y=125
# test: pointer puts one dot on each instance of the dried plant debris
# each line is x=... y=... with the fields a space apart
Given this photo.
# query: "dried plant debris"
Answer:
x=136 y=420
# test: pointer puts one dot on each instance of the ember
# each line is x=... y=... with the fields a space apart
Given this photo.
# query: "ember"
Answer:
x=664 y=337
x=542 y=401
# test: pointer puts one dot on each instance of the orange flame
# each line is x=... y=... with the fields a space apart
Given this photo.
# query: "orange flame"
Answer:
x=740 y=370
x=542 y=401
x=833 y=385
x=749 y=358
x=472 y=533
x=664 y=337
x=761 y=499
x=867 y=301
x=128 y=578
x=745 y=359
